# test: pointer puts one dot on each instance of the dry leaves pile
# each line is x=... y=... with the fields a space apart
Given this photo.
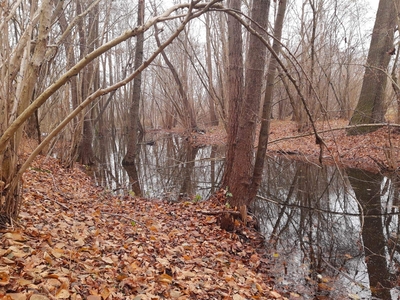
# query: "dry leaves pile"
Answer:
x=78 y=242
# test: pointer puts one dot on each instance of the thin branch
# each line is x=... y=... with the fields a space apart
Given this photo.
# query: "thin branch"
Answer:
x=41 y=99
x=333 y=129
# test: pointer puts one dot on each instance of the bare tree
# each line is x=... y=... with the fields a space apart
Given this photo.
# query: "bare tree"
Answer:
x=18 y=115
x=187 y=115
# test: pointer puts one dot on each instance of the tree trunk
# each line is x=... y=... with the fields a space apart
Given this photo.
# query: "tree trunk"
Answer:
x=133 y=136
x=211 y=91
x=267 y=106
x=241 y=163
x=370 y=107
x=234 y=91
x=89 y=81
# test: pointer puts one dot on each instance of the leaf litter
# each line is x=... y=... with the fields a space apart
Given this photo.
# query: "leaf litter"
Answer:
x=75 y=240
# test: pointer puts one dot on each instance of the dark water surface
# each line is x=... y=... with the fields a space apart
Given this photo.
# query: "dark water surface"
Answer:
x=331 y=234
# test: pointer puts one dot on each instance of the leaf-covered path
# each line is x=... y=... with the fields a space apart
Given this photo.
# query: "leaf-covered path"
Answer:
x=76 y=241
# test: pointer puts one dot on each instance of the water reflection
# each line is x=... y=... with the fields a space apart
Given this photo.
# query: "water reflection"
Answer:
x=325 y=229
x=332 y=234
x=167 y=167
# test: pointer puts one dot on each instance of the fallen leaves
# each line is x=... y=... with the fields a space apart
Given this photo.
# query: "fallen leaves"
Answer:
x=370 y=151
x=105 y=247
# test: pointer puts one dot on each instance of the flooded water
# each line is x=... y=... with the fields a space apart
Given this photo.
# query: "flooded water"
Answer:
x=331 y=234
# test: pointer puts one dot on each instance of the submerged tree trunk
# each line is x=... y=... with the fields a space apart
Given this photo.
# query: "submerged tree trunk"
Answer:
x=370 y=107
x=367 y=188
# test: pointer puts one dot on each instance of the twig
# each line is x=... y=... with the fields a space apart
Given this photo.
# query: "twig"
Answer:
x=330 y=130
x=346 y=275
x=55 y=201
x=214 y=213
x=325 y=210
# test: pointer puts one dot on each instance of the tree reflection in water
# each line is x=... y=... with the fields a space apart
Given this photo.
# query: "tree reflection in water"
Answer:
x=325 y=230
x=331 y=233
x=167 y=167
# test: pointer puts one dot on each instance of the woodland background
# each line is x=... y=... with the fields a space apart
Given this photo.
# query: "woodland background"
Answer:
x=74 y=70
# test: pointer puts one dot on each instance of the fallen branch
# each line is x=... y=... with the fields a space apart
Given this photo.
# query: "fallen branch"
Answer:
x=218 y=212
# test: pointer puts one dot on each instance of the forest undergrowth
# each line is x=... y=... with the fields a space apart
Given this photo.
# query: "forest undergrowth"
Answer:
x=75 y=240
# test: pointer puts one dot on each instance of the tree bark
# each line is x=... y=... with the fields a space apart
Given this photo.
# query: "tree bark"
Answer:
x=235 y=90
x=370 y=108
x=133 y=135
x=241 y=163
x=267 y=106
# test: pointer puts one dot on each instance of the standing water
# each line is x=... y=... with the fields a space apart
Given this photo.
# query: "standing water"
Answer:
x=330 y=233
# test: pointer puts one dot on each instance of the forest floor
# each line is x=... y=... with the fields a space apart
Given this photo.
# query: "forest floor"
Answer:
x=75 y=240
x=378 y=151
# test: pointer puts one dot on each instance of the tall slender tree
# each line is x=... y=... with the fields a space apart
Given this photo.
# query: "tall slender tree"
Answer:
x=267 y=106
x=133 y=136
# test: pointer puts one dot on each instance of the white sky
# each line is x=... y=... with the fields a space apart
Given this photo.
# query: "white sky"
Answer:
x=374 y=5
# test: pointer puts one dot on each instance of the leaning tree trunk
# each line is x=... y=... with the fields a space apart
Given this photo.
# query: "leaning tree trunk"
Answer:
x=370 y=107
x=188 y=116
x=29 y=68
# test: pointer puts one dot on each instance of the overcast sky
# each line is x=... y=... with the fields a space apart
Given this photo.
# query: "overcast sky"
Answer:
x=374 y=5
